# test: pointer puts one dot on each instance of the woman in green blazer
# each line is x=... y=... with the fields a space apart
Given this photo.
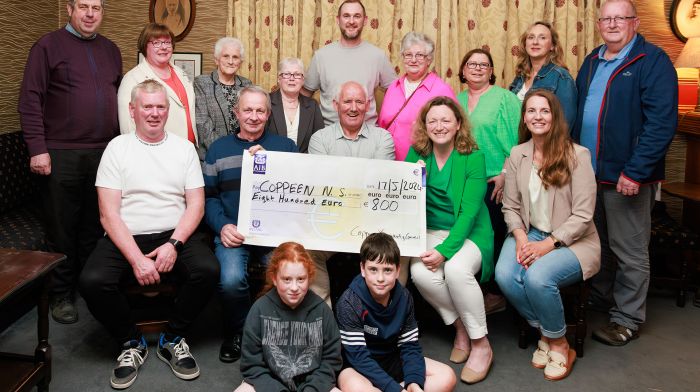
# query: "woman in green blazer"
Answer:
x=459 y=237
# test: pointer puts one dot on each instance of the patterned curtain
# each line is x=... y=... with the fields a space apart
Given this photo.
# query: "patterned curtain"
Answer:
x=274 y=29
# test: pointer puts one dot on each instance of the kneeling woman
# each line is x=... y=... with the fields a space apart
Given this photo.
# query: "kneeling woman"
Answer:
x=548 y=204
x=460 y=238
x=290 y=339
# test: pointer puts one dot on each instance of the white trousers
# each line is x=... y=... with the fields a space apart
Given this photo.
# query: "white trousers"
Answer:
x=452 y=289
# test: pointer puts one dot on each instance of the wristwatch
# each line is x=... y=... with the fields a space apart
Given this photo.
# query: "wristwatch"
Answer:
x=177 y=244
x=557 y=243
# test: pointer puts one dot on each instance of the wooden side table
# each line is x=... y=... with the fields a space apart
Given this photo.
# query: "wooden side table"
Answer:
x=23 y=276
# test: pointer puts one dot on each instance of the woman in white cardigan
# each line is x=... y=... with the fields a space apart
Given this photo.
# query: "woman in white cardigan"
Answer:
x=157 y=43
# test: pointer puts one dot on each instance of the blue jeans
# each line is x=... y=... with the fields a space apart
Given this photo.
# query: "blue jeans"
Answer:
x=534 y=292
x=233 y=286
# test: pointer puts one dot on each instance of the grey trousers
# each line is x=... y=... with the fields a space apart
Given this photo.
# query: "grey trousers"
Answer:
x=624 y=226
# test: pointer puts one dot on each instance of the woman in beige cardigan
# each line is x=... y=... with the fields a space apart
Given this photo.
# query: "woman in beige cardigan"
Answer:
x=157 y=43
x=548 y=205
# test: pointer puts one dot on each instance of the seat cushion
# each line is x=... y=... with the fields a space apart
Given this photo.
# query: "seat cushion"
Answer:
x=17 y=185
x=22 y=228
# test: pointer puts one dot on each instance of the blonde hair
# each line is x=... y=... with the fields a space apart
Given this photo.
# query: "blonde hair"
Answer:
x=556 y=56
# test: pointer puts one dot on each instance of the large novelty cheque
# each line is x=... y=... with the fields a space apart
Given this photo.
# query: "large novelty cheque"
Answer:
x=329 y=202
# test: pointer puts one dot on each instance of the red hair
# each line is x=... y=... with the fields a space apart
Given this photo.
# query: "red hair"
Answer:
x=287 y=252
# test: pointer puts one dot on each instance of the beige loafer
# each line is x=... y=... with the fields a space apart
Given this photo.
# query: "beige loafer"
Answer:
x=458 y=355
x=559 y=366
x=471 y=377
x=540 y=357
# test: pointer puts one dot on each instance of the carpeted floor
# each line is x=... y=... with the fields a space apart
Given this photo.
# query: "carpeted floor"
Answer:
x=666 y=357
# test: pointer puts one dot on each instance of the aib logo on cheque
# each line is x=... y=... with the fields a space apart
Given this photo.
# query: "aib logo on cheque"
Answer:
x=259 y=163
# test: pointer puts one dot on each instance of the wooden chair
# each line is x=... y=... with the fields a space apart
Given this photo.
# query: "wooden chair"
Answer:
x=671 y=250
x=151 y=305
x=574 y=298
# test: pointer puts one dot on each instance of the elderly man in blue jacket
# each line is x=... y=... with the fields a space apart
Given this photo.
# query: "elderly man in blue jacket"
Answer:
x=627 y=116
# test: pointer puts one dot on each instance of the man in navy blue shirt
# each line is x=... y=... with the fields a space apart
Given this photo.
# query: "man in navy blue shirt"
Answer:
x=378 y=329
x=627 y=115
x=222 y=184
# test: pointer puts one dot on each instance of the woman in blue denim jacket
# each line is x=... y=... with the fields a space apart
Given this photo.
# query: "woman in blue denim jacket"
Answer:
x=541 y=66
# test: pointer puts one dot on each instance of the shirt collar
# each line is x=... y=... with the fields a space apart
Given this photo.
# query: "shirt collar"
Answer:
x=623 y=53
x=340 y=135
x=75 y=32
x=427 y=81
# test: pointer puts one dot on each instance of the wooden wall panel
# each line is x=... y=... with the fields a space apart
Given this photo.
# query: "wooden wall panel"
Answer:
x=124 y=20
x=656 y=28
x=19 y=34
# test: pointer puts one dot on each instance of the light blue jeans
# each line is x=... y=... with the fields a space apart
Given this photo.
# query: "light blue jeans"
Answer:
x=233 y=286
x=534 y=292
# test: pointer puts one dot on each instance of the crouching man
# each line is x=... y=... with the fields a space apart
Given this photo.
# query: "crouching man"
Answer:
x=151 y=199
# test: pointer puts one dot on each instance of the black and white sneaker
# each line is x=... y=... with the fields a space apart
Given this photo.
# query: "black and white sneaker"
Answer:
x=176 y=354
x=134 y=353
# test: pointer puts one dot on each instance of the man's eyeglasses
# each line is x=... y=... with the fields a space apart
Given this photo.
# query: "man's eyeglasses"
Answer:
x=617 y=19
x=289 y=75
x=417 y=56
x=162 y=44
x=472 y=65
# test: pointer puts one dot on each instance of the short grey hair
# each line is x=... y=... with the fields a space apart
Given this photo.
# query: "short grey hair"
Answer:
x=287 y=61
x=71 y=3
x=341 y=87
x=414 y=38
x=149 y=86
x=254 y=89
x=225 y=41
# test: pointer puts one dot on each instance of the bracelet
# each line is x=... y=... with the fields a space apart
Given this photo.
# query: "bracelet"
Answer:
x=503 y=171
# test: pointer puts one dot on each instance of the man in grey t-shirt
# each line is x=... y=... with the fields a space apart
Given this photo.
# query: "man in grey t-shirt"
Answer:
x=348 y=59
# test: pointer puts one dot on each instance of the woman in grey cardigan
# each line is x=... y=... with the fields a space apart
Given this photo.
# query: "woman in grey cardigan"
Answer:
x=217 y=93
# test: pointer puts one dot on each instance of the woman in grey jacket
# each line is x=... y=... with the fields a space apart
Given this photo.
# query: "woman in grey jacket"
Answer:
x=290 y=339
x=217 y=94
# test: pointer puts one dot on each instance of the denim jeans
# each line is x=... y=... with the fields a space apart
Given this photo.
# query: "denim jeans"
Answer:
x=233 y=286
x=534 y=292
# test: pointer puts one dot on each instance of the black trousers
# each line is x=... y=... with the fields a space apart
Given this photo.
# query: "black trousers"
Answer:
x=72 y=217
x=107 y=271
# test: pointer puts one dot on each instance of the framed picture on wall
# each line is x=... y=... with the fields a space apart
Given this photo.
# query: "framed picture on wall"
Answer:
x=685 y=18
x=178 y=15
x=191 y=63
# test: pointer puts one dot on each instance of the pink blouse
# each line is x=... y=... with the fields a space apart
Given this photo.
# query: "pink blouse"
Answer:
x=432 y=86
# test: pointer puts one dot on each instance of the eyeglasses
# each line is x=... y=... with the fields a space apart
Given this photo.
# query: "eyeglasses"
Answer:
x=417 y=56
x=617 y=19
x=289 y=75
x=162 y=44
x=472 y=65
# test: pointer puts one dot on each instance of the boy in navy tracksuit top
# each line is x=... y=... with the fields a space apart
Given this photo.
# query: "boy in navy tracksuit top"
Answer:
x=378 y=329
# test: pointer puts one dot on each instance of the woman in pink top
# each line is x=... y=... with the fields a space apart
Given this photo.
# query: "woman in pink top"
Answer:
x=406 y=95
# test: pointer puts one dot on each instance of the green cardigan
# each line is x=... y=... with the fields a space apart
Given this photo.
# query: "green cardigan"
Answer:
x=471 y=215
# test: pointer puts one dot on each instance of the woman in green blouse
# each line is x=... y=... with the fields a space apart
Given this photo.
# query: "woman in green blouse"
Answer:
x=494 y=114
x=460 y=238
